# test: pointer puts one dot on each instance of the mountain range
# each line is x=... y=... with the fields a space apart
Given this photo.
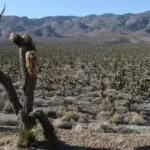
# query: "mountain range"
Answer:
x=106 y=27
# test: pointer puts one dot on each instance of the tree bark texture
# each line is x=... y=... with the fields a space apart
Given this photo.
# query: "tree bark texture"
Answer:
x=25 y=44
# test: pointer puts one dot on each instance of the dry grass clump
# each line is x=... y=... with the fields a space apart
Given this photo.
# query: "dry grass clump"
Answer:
x=78 y=128
x=67 y=121
x=94 y=128
x=83 y=118
x=61 y=111
x=137 y=119
x=116 y=118
x=70 y=115
x=8 y=108
x=59 y=123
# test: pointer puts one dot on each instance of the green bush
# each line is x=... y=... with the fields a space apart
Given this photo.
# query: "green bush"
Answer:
x=116 y=118
x=27 y=136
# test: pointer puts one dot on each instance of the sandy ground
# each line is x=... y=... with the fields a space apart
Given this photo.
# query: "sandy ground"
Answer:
x=84 y=140
x=97 y=141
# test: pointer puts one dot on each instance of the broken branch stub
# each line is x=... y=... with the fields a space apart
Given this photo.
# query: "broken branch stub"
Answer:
x=48 y=129
x=24 y=43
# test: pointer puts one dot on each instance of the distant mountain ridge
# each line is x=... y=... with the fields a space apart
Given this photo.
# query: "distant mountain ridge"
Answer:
x=111 y=27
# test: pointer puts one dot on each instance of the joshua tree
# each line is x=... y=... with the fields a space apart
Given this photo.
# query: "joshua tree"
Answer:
x=27 y=117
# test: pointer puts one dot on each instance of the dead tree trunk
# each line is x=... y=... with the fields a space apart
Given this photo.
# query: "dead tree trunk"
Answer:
x=26 y=114
x=25 y=44
x=25 y=111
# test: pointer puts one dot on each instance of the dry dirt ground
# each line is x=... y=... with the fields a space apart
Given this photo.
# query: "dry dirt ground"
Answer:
x=84 y=140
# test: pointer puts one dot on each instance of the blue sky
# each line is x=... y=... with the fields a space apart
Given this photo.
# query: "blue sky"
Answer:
x=41 y=8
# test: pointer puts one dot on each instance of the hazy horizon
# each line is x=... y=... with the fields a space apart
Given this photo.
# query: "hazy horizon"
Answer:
x=37 y=9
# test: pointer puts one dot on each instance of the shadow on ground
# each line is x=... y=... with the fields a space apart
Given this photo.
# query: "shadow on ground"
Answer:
x=8 y=129
x=44 y=145
x=143 y=148
x=67 y=147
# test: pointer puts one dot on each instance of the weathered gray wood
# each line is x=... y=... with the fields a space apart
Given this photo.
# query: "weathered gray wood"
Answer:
x=7 y=83
x=27 y=116
x=48 y=129
x=25 y=44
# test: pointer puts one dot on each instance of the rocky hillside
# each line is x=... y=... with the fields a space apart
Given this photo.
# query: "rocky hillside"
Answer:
x=127 y=27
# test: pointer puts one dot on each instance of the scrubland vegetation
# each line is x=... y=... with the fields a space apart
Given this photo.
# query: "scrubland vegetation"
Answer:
x=99 y=88
x=85 y=83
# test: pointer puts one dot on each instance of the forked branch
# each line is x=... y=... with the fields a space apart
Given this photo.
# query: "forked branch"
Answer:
x=48 y=129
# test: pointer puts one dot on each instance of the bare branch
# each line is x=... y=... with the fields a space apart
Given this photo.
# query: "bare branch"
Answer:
x=17 y=39
x=48 y=129
x=7 y=83
x=2 y=11
x=28 y=42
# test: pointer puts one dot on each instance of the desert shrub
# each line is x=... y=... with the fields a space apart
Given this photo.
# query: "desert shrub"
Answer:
x=83 y=118
x=70 y=115
x=117 y=129
x=137 y=119
x=8 y=108
x=59 y=123
x=126 y=130
x=78 y=128
x=116 y=118
x=94 y=128
x=60 y=111
x=26 y=136
x=108 y=129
